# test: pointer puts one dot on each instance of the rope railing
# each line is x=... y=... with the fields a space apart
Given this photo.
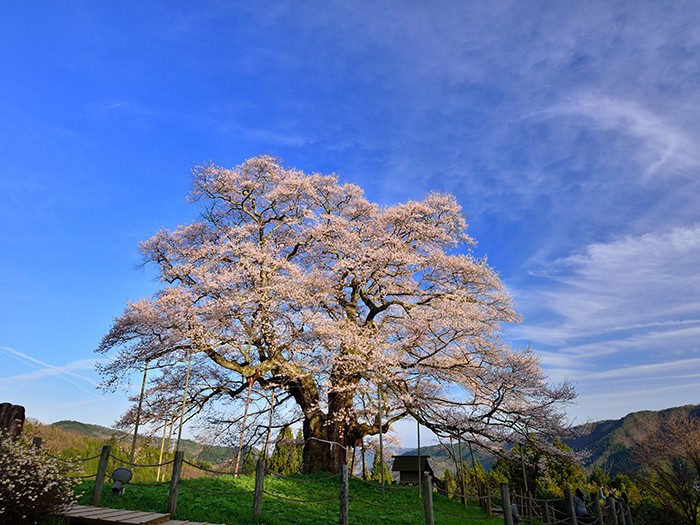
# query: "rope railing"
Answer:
x=140 y=465
x=210 y=471
x=459 y=495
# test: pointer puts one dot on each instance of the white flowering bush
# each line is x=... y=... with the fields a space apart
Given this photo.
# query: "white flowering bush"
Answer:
x=33 y=485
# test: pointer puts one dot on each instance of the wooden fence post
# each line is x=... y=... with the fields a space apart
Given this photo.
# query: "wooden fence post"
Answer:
x=507 y=512
x=569 y=500
x=259 y=487
x=100 y=477
x=621 y=510
x=428 y=500
x=344 y=494
x=628 y=512
x=548 y=515
x=175 y=481
x=612 y=510
x=488 y=502
x=597 y=511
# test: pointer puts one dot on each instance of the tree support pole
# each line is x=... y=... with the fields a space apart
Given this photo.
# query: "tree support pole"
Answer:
x=344 y=495
x=462 y=483
x=381 y=441
x=184 y=402
x=138 y=415
x=623 y=514
x=420 y=466
x=245 y=417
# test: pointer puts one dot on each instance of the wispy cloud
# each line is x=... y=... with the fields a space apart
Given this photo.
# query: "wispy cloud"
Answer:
x=633 y=282
x=67 y=372
x=664 y=147
x=621 y=313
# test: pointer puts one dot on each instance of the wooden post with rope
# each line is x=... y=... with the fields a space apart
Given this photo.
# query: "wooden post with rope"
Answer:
x=100 y=478
x=612 y=509
x=175 y=481
x=505 y=504
x=428 y=500
x=259 y=487
x=570 y=510
x=597 y=511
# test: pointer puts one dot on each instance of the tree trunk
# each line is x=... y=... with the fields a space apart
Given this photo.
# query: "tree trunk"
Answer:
x=326 y=436
x=316 y=454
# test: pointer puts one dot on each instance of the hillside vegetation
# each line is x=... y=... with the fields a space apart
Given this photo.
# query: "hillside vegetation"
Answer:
x=609 y=444
x=612 y=444
x=82 y=442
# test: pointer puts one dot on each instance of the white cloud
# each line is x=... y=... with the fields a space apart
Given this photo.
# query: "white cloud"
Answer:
x=650 y=281
x=620 y=315
x=664 y=145
x=67 y=372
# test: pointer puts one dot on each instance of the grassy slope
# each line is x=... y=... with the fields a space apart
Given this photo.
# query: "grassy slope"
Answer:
x=299 y=500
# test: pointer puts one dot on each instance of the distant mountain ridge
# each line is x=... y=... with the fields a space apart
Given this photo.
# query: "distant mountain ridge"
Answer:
x=609 y=444
x=213 y=454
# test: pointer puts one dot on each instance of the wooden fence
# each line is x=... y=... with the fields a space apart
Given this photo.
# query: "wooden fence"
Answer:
x=513 y=507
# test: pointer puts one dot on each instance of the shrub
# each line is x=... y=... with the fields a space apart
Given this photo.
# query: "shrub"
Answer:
x=33 y=485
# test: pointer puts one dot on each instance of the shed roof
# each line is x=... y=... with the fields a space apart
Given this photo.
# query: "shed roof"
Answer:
x=410 y=464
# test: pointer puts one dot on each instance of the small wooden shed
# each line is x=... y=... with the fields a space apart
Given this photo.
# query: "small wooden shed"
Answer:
x=408 y=468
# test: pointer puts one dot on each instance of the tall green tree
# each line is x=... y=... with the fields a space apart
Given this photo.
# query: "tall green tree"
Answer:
x=286 y=456
x=545 y=471
x=377 y=467
x=451 y=485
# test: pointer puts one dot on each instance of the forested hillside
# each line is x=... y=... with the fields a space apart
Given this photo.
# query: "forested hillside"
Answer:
x=62 y=435
x=609 y=444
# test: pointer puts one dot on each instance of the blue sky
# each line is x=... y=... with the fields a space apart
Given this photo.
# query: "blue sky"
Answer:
x=568 y=132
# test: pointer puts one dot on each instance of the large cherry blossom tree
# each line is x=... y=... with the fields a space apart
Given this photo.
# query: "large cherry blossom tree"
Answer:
x=345 y=307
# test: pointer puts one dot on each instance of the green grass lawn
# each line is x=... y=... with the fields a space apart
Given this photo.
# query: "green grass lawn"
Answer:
x=297 y=500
